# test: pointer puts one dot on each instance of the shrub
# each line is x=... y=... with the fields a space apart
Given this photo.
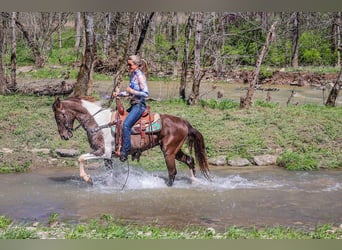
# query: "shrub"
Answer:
x=297 y=161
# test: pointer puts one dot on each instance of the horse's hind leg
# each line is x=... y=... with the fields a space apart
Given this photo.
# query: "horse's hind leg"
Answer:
x=188 y=160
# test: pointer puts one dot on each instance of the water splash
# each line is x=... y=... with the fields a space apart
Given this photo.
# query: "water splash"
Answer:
x=132 y=178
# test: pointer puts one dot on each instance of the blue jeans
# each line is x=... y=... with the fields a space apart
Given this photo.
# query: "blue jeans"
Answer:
x=133 y=116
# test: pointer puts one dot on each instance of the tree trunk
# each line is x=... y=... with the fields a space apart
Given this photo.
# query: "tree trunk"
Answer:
x=3 y=80
x=13 y=84
x=78 y=25
x=338 y=35
x=143 y=33
x=247 y=101
x=84 y=84
x=331 y=101
x=184 y=71
x=198 y=74
x=117 y=79
x=106 y=42
x=295 y=37
x=52 y=89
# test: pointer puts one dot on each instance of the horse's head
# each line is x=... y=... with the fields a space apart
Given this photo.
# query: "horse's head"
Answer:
x=64 y=118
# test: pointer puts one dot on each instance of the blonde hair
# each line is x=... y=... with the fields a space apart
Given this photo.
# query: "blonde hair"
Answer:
x=140 y=62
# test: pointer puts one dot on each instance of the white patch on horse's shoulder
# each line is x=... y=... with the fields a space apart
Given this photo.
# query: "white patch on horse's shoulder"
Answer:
x=90 y=106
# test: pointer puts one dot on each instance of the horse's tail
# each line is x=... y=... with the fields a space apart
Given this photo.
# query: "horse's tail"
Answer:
x=196 y=140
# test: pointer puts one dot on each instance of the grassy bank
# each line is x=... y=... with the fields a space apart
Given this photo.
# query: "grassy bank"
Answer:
x=106 y=227
x=304 y=137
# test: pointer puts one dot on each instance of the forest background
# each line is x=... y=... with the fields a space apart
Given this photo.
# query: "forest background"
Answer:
x=187 y=46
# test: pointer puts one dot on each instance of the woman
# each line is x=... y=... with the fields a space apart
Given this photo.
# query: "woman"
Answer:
x=138 y=91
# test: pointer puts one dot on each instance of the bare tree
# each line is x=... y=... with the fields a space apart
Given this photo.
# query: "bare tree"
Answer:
x=78 y=27
x=185 y=64
x=247 y=101
x=331 y=101
x=84 y=84
x=38 y=59
x=295 y=38
x=13 y=84
x=3 y=80
x=107 y=38
x=144 y=29
x=198 y=73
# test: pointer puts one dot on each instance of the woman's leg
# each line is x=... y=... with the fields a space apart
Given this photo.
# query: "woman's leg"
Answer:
x=133 y=116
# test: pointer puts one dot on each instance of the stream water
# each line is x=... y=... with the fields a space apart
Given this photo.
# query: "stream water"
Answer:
x=280 y=93
x=236 y=196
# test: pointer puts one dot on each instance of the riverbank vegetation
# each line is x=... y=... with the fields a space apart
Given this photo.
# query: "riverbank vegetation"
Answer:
x=303 y=137
x=106 y=227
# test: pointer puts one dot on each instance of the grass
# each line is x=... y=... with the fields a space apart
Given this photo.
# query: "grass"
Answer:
x=305 y=137
x=106 y=227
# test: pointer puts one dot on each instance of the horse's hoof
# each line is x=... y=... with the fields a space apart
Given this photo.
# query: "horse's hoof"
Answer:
x=90 y=181
x=193 y=180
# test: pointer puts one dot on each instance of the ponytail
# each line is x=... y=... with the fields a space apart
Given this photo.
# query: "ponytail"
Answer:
x=144 y=66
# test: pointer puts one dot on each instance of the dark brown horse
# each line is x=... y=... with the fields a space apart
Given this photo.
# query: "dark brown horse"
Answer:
x=94 y=119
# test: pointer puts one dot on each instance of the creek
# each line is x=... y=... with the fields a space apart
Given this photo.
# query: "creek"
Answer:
x=249 y=196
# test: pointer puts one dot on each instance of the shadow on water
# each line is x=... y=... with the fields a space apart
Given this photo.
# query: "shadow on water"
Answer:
x=254 y=196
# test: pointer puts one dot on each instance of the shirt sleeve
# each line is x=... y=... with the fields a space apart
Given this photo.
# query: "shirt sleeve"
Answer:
x=142 y=84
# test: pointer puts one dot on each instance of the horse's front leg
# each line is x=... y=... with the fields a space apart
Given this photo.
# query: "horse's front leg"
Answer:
x=83 y=174
x=171 y=167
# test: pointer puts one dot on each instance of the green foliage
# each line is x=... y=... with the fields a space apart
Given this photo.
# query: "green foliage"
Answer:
x=219 y=104
x=264 y=104
x=297 y=161
x=314 y=49
x=4 y=222
x=53 y=218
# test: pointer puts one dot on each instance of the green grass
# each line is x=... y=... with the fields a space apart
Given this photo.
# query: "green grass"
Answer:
x=312 y=133
x=106 y=227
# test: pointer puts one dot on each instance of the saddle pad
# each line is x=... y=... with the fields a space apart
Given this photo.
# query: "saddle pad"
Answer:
x=154 y=127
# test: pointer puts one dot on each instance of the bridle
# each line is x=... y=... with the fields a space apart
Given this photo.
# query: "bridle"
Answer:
x=92 y=116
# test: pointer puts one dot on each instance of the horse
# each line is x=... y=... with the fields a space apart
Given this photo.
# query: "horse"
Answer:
x=96 y=120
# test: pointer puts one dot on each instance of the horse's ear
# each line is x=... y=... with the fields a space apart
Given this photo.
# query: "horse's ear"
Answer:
x=57 y=104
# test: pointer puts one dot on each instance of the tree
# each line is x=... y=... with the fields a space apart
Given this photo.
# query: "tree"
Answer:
x=38 y=59
x=78 y=27
x=185 y=63
x=13 y=84
x=247 y=101
x=331 y=101
x=3 y=80
x=84 y=84
x=295 y=38
x=144 y=29
x=198 y=74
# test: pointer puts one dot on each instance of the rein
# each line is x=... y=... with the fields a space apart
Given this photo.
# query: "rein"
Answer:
x=100 y=110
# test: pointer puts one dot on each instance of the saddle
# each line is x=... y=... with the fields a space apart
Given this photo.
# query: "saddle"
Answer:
x=148 y=123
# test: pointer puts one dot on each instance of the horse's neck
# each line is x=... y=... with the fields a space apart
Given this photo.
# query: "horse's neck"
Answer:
x=94 y=117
